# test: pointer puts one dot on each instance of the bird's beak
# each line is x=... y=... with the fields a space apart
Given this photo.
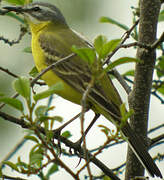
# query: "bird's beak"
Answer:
x=17 y=9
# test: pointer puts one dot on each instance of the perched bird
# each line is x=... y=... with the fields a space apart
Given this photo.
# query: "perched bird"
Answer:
x=52 y=39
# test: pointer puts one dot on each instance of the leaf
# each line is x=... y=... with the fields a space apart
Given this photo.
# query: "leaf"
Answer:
x=15 y=2
x=15 y=103
x=36 y=158
x=160 y=67
x=120 y=61
x=57 y=118
x=34 y=72
x=41 y=111
x=125 y=114
x=32 y=138
x=36 y=155
x=161 y=16
x=27 y=50
x=54 y=168
x=104 y=47
x=109 y=47
x=66 y=134
x=22 y=86
x=11 y=165
x=129 y=73
x=99 y=43
x=53 y=89
x=112 y=21
x=86 y=54
x=161 y=90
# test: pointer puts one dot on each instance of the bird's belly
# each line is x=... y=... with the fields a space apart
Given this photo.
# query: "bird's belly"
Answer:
x=67 y=92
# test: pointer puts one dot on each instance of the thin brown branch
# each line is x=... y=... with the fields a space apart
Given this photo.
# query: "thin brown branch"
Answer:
x=50 y=67
x=65 y=141
x=156 y=139
x=158 y=42
x=23 y=31
x=12 y=178
x=125 y=37
x=8 y=72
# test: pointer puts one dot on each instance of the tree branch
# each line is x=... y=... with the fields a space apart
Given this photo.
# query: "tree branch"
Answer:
x=78 y=149
x=140 y=97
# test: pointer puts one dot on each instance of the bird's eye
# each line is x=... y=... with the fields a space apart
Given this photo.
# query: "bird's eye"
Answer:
x=36 y=8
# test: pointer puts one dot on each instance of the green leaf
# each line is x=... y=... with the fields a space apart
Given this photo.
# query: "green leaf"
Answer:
x=49 y=135
x=120 y=61
x=103 y=48
x=160 y=67
x=36 y=155
x=161 y=90
x=53 y=89
x=86 y=54
x=99 y=43
x=34 y=72
x=109 y=47
x=36 y=158
x=27 y=50
x=22 y=86
x=17 y=104
x=129 y=73
x=32 y=138
x=54 y=168
x=125 y=114
x=112 y=21
x=11 y=165
x=41 y=111
x=55 y=118
x=66 y=134
x=161 y=16
x=15 y=2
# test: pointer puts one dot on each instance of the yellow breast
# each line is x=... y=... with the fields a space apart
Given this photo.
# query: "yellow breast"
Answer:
x=50 y=77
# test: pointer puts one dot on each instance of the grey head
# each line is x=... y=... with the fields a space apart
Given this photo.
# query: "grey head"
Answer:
x=46 y=12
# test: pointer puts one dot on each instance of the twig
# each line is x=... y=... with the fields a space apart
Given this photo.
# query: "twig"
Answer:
x=12 y=178
x=158 y=42
x=51 y=67
x=84 y=107
x=156 y=139
x=23 y=31
x=67 y=142
x=8 y=72
x=121 y=81
x=126 y=34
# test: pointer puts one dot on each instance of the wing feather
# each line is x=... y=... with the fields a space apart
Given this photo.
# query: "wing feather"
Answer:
x=75 y=71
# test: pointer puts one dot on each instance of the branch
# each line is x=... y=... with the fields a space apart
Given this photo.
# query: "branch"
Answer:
x=140 y=96
x=126 y=36
x=23 y=31
x=79 y=150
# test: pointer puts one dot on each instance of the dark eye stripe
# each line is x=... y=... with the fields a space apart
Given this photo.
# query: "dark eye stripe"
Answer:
x=36 y=8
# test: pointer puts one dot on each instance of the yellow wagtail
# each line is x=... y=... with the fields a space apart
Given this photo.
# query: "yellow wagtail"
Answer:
x=52 y=39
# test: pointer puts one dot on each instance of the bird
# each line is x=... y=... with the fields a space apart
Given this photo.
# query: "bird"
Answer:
x=52 y=40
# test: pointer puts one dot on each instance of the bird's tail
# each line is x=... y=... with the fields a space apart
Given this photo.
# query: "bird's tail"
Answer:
x=140 y=151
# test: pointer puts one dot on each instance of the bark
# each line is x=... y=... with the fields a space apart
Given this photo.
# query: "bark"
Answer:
x=140 y=97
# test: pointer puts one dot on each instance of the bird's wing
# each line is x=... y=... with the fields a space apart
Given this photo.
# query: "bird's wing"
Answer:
x=77 y=74
x=75 y=71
